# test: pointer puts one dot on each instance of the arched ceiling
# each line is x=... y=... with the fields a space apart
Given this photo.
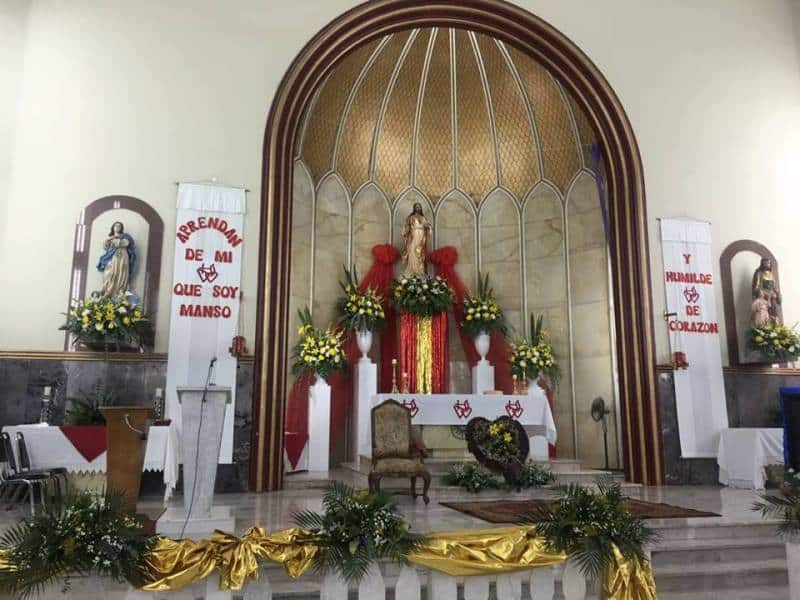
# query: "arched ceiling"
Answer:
x=438 y=109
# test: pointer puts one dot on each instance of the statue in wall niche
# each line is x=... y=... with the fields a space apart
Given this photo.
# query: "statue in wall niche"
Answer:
x=118 y=261
x=415 y=236
x=766 y=290
x=759 y=311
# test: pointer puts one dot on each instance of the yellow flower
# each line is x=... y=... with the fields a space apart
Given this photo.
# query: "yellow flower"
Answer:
x=127 y=320
x=98 y=316
x=507 y=437
x=137 y=313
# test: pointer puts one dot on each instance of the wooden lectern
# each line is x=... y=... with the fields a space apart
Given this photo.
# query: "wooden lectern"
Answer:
x=126 y=442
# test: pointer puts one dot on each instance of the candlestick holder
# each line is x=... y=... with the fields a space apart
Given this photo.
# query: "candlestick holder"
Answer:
x=514 y=385
x=394 y=377
x=404 y=384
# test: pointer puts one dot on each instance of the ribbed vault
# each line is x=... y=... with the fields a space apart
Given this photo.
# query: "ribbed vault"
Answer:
x=438 y=109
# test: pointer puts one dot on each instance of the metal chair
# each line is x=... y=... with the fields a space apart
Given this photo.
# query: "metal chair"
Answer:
x=58 y=473
x=30 y=480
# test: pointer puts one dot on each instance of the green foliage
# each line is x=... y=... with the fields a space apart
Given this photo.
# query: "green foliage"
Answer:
x=86 y=410
x=588 y=524
x=482 y=313
x=474 y=478
x=356 y=530
x=90 y=534
x=359 y=311
x=422 y=295
x=471 y=477
x=775 y=342
x=317 y=351
x=783 y=505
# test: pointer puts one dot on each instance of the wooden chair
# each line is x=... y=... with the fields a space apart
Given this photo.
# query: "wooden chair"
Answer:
x=395 y=451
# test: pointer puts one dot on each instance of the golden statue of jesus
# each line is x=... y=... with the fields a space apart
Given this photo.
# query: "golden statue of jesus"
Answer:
x=415 y=235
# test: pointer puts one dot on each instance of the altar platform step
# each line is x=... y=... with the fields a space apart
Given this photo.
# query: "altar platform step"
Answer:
x=709 y=559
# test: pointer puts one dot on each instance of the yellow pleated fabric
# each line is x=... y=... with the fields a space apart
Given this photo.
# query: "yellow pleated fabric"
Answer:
x=174 y=564
x=424 y=382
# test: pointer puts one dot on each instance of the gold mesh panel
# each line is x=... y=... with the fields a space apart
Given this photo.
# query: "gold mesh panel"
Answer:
x=434 y=160
x=519 y=166
x=320 y=138
x=585 y=131
x=355 y=146
x=477 y=170
x=558 y=145
x=393 y=153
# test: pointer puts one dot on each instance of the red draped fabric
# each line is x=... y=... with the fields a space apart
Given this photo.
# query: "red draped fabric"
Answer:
x=408 y=351
x=439 y=352
x=89 y=440
x=379 y=278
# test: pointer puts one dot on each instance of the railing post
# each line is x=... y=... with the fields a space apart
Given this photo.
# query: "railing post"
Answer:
x=543 y=583
x=476 y=588
x=408 y=586
x=442 y=587
x=573 y=582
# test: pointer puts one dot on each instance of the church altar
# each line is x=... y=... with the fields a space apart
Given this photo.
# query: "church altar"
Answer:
x=744 y=452
x=49 y=448
x=531 y=410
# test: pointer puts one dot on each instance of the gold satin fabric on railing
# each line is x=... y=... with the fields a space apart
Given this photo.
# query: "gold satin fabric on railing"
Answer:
x=174 y=564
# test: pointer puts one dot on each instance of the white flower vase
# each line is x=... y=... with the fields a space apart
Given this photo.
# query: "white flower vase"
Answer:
x=793 y=566
x=482 y=342
x=364 y=341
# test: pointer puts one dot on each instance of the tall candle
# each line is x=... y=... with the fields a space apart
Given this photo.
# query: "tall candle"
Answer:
x=47 y=390
x=159 y=392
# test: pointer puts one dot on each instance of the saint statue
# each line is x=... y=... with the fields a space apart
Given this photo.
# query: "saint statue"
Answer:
x=764 y=286
x=415 y=236
x=117 y=262
x=759 y=311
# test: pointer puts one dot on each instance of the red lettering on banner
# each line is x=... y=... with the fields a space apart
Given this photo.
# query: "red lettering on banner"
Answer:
x=686 y=258
x=223 y=256
x=188 y=289
x=693 y=311
x=679 y=277
x=224 y=291
x=221 y=225
x=206 y=311
x=194 y=254
x=694 y=327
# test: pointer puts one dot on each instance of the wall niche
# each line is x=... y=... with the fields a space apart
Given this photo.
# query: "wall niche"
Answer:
x=736 y=266
x=146 y=227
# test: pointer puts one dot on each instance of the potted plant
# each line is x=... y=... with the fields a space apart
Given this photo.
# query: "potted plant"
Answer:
x=533 y=357
x=482 y=316
x=90 y=535
x=361 y=312
x=106 y=323
x=356 y=530
x=784 y=505
x=594 y=528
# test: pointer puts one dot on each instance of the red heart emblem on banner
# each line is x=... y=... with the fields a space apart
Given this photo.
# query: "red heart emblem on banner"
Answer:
x=462 y=409
x=691 y=294
x=411 y=406
x=514 y=410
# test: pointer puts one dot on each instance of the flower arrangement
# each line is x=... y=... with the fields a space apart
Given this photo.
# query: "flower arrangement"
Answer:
x=422 y=295
x=500 y=445
x=90 y=534
x=318 y=351
x=359 y=311
x=107 y=321
x=776 y=342
x=532 y=357
x=481 y=313
x=589 y=525
x=475 y=478
x=355 y=530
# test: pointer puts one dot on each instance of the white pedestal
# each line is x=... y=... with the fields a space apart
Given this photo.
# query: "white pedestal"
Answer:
x=482 y=377
x=202 y=419
x=366 y=386
x=319 y=425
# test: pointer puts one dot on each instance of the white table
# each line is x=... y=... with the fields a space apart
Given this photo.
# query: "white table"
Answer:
x=531 y=410
x=49 y=448
x=744 y=452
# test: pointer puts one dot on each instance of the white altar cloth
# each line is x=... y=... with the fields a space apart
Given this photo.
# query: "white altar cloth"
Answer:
x=531 y=410
x=49 y=448
x=743 y=453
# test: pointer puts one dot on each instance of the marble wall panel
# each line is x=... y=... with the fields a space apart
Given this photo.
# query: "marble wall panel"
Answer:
x=501 y=253
x=591 y=324
x=302 y=220
x=546 y=293
x=371 y=226
x=331 y=248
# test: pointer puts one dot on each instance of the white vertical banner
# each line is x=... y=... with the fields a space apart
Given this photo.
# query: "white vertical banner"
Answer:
x=206 y=286
x=694 y=333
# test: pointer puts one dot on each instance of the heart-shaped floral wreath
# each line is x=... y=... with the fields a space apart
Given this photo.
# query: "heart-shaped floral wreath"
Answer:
x=501 y=445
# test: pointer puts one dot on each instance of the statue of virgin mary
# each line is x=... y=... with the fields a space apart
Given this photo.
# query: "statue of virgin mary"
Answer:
x=117 y=262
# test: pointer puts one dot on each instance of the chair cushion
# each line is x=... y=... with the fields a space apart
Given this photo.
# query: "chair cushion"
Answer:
x=403 y=466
